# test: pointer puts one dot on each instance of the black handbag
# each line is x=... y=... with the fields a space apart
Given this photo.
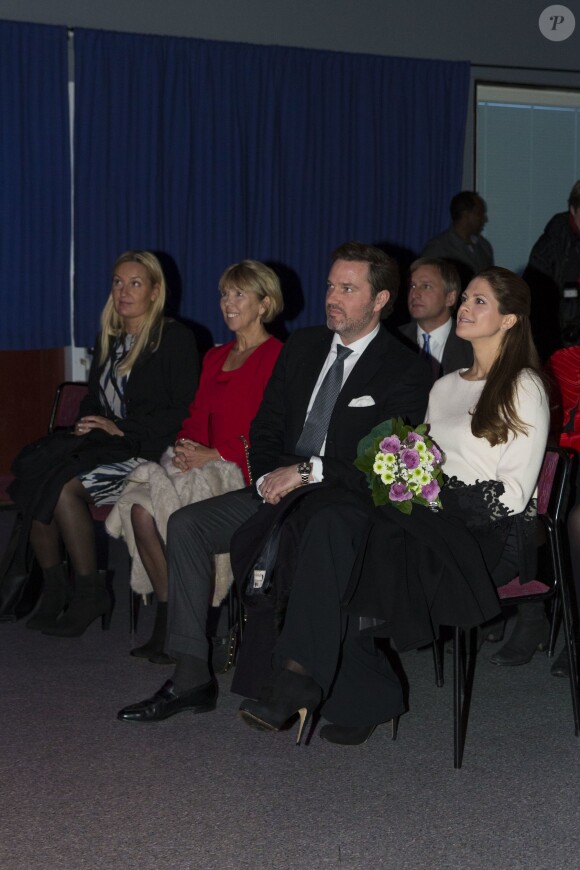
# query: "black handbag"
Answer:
x=20 y=576
x=259 y=585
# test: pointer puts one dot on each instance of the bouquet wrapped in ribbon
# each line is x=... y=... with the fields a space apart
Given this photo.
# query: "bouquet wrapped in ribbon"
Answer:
x=402 y=465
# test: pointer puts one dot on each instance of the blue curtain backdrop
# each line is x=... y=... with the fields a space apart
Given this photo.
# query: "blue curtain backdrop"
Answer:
x=34 y=187
x=212 y=152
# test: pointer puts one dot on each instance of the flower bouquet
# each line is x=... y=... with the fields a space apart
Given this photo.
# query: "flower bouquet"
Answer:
x=402 y=465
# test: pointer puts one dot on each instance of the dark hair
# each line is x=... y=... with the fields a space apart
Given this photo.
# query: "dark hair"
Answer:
x=448 y=272
x=571 y=333
x=495 y=414
x=574 y=198
x=465 y=200
x=383 y=269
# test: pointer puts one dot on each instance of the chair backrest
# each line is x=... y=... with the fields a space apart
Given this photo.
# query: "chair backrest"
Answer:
x=546 y=479
x=66 y=405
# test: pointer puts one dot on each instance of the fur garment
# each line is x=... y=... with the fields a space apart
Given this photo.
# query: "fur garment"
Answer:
x=162 y=489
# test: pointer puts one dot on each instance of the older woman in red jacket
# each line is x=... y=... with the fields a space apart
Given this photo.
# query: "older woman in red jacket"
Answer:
x=232 y=382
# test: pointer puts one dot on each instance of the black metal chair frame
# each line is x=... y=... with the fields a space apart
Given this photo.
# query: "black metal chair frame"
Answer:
x=559 y=591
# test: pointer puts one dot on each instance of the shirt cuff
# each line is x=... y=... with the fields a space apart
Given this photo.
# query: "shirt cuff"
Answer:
x=317 y=469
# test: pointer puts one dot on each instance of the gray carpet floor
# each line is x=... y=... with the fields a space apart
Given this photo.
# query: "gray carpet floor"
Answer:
x=78 y=789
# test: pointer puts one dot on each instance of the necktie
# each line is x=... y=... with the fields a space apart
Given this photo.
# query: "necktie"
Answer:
x=426 y=354
x=316 y=425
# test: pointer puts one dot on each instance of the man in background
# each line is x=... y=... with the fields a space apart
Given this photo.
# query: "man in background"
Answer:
x=553 y=275
x=463 y=243
x=434 y=287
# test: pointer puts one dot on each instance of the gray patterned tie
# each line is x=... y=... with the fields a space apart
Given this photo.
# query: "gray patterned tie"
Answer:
x=316 y=425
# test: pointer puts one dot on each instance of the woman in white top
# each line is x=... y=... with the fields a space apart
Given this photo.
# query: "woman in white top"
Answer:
x=416 y=572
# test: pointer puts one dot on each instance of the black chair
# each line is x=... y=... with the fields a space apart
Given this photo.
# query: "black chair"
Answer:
x=66 y=404
x=553 y=491
x=64 y=413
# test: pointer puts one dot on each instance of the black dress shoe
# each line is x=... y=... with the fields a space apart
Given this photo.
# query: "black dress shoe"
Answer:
x=166 y=702
x=161 y=658
x=353 y=735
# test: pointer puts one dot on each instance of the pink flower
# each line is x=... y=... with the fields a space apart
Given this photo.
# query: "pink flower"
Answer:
x=436 y=453
x=399 y=492
x=431 y=491
x=391 y=444
x=410 y=458
x=413 y=437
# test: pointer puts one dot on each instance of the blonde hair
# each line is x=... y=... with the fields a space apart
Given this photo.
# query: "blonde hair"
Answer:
x=251 y=276
x=112 y=327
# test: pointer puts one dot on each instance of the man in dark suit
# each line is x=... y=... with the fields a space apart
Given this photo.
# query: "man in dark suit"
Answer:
x=434 y=287
x=463 y=243
x=379 y=379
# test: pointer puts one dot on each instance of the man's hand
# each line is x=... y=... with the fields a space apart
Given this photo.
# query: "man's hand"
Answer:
x=279 y=483
x=85 y=424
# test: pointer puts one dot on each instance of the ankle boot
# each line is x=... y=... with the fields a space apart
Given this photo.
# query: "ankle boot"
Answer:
x=54 y=597
x=91 y=599
x=531 y=633
x=155 y=646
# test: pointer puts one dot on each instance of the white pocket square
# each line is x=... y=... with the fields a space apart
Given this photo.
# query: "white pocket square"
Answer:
x=361 y=402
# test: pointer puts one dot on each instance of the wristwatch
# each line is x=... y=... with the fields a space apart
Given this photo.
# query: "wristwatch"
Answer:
x=304 y=469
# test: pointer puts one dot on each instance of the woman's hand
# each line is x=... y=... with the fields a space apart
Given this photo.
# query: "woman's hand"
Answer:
x=192 y=454
x=85 y=424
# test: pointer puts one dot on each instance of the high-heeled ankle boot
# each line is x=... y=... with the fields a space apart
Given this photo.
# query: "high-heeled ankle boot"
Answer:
x=91 y=599
x=54 y=597
x=291 y=693
x=154 y=649
x=531 y=633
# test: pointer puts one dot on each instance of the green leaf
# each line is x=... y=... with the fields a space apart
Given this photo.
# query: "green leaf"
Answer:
x=377 y=434
x=404 y=506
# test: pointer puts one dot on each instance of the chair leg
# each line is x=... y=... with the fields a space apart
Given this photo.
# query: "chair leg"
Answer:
x=554 y=626
x=457 y=698
x=438 y=663
x=131 y=611
x=570 y=640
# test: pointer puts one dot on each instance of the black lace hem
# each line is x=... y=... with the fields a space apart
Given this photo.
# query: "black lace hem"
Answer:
x=479 y=503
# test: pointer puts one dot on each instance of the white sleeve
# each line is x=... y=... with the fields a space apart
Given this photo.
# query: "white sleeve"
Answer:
x=521 y=458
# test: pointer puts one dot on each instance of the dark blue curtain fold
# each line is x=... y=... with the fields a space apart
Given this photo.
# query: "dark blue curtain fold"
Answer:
x=35 y=196
x=212 y=152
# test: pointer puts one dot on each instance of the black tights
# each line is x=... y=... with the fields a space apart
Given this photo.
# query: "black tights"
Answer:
x=71 y=525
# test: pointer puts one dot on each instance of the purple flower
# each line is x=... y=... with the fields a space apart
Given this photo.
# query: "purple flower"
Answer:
x=436 y=453
x=390 y=444
x=410 y=458
x=399 y=492
x=430 y=491
x=413 y=437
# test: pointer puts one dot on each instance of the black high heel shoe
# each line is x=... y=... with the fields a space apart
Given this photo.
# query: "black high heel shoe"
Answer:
x=292 y=694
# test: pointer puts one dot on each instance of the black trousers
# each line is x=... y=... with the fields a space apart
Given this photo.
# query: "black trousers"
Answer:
x=359 y=685
x=194 y=535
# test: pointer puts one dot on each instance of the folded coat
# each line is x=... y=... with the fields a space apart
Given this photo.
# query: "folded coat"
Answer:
x=162 y=489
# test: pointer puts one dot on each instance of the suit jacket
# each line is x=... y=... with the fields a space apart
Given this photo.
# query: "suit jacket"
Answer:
x=396 y=379
x=457 y=353
x=158 y=392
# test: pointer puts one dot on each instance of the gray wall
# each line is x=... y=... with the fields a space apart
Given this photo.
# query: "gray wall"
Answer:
x=481 y=31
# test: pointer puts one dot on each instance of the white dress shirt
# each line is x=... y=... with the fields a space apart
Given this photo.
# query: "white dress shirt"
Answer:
x=357 y=348
x=438 y=337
